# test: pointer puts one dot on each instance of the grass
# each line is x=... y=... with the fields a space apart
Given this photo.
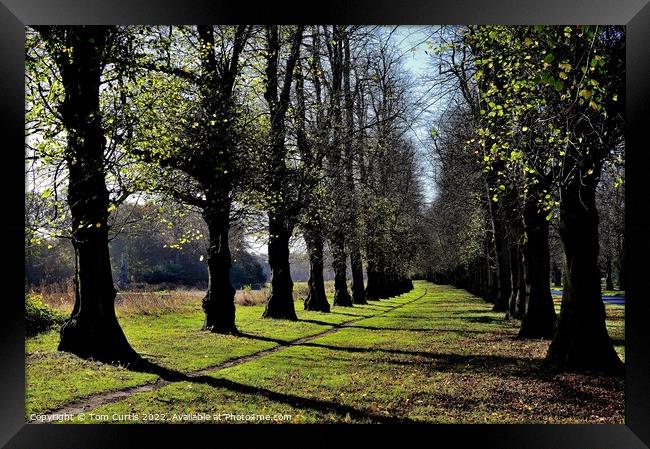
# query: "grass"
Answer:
x=168 y=334
x=443 y=358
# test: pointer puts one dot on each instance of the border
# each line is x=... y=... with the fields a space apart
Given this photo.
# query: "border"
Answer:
x=14 y=14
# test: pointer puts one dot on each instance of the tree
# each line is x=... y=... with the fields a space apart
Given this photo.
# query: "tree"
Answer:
x=310 y=143
x=80 y=54
x=388 y=190
x=201 y=151
x=564 y=119
x=336 y=165
x=593 y=130
x=282 y=213
x=512 y=137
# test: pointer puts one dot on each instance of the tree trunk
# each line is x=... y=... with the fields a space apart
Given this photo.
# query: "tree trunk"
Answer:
x=373 y=287
x=621 y=271
x=609 y=284
x=580 y=340
x=522 y=292
x=503 y=265
x=280 y=301
x=516 y=273
x=539 y=314
x=219 y=301
x=92 y=331
x=557 y=275
x=316 y=298
x=358 y=290
x=341 y=295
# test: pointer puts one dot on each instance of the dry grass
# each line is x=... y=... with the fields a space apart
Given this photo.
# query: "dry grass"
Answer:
x=57 y=296
x=250 y=297
x=151 y=302
x=146 y=302
x=155 y=303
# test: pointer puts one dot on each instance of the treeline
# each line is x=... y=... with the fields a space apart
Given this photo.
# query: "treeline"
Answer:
x=529 y=173
x=146 y=253
x=301 y=128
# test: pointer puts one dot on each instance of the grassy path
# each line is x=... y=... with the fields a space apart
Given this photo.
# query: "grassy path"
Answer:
x=436 y=354
x=100 y=399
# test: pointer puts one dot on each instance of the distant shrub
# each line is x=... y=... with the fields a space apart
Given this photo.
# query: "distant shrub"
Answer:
x=39 y=317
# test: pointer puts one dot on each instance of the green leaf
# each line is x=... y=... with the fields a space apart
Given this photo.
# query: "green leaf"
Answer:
x=47 y=193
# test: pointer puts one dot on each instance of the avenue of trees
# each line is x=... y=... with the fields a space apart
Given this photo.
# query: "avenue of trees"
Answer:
x=530 y=177
x=302 y=125
x=218 y=133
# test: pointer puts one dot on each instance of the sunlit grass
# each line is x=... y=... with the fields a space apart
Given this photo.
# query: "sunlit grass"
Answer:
x=443 y=358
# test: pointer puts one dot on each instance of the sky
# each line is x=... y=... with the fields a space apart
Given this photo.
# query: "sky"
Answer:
x=414 y=41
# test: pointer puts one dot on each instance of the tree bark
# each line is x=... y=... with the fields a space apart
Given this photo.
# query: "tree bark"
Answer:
x=316 y=298
x=356 y=264
x=373 y=288
x=580 y=340
x=621 y=270
x=502 y=266
x=219 y=301
x=358 y=290
x=516 y=280
x=522 y=292
x=609 y=284
x=341 y=295
x=279 y=304
x=92 y=331
x=539 y=314
x=557 y=275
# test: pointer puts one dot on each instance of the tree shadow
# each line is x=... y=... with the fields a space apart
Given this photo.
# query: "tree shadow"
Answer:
x=374 y=305
x=618 y=341
x=293 y=400
x=351 y=314
x=456 y=363
x=375 y=328
x=483 y=319
x=267 y=339
x=320 y=323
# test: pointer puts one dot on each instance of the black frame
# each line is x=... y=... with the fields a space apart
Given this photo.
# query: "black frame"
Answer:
x=15 y=14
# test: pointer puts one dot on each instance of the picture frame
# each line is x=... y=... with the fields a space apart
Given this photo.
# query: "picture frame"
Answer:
x=635 y=14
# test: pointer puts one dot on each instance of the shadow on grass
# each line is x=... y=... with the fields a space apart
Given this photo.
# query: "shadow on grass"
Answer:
x=442 y=362
x=618 y=341
x=375 y=305
x=452 y=363
x=267 y=339
x=484 y=319
x=320 y=323
x=359 y=315
x=317 y=405
x=376 y=328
